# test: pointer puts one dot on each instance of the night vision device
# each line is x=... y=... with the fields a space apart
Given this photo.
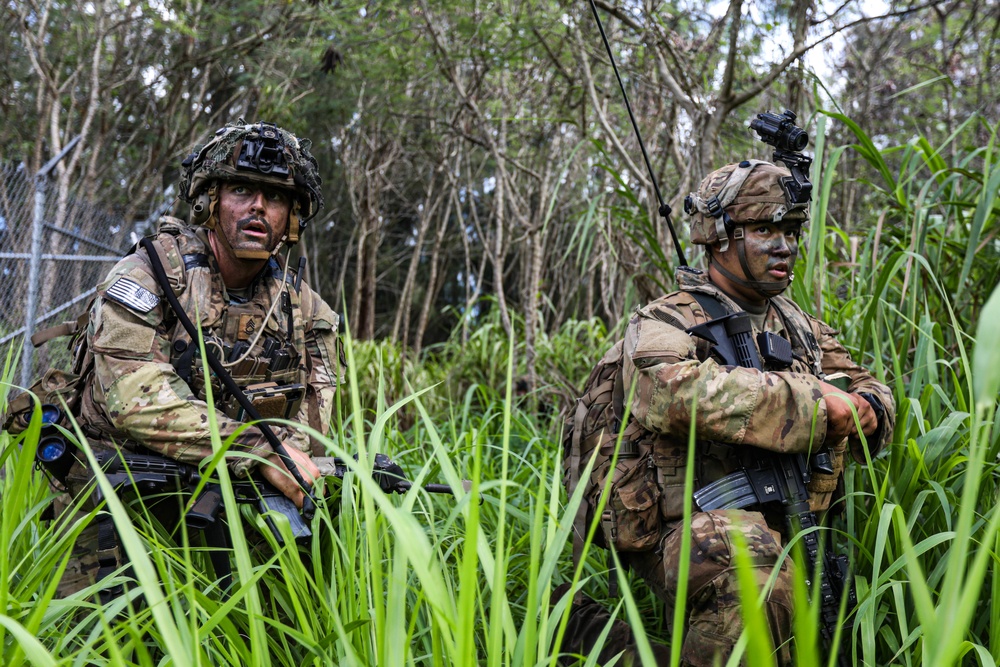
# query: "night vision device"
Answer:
x=264 y=152
x=788 y=140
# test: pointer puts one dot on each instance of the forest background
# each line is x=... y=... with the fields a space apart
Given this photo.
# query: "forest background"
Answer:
x=489 y=219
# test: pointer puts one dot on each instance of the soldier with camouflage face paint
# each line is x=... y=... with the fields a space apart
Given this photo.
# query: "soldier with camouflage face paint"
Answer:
x=751 y=231
x=252 y=189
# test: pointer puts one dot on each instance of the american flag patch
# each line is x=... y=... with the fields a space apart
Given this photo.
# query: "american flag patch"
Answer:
x=132 y=295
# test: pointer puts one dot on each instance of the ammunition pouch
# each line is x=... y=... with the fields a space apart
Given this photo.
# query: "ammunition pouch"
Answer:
x=271 y=400
x=632 y=518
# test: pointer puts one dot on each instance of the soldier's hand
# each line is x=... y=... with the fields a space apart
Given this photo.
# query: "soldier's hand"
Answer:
x=840 y=417
x=867 y=415
x=279 y=477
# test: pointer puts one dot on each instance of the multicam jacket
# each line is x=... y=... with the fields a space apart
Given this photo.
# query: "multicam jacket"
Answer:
x=672 y=372
x=136 y=391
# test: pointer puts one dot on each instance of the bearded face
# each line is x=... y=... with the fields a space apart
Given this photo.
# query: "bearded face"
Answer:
x=252 y=217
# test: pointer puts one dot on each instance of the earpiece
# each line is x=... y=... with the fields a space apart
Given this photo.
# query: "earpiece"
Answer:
x=201 y=208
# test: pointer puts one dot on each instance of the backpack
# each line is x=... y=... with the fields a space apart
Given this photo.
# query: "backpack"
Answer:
x=631 y=517
x=65 y=389
x=62 y=389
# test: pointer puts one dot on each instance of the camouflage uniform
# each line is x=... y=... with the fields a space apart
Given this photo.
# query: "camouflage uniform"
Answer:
x=782 y=410
x=135 y=393
x=143 y=381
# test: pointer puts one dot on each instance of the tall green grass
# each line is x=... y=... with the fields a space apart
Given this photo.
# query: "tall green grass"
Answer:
x=428 y=580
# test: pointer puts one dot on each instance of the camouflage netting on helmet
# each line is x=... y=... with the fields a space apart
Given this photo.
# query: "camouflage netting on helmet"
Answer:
x=759 y=198
x=217 y=161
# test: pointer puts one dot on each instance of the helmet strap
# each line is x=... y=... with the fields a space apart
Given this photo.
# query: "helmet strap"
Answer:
x=294 y=227
x=240 y=253
x=765 y=289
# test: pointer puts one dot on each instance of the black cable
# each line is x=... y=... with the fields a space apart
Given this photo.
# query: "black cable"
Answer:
x=308 y=504
x=664 y=209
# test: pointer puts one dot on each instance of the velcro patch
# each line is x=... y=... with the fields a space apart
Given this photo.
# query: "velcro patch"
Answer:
x=132 y=295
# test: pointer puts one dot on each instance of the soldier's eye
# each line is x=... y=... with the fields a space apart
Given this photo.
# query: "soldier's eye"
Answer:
x=275 y=196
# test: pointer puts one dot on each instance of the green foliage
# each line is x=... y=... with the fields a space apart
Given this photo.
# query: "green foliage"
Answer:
x=421 y=579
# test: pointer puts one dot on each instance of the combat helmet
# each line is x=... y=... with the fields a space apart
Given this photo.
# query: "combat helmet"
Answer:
x=260 y=153
x=749 y=191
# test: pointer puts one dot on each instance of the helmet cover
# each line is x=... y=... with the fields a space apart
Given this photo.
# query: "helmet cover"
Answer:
x=259 y=153
x=754 y=193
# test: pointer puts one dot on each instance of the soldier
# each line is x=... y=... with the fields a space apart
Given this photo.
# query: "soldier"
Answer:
x=751 y=231
x=252 y=189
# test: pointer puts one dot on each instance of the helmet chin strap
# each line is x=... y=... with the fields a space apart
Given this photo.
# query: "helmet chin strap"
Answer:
x=243 y=253
x=212 y=224
x=766 y=289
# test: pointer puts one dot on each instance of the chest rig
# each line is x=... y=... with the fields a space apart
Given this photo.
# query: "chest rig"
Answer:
x=262 y=347
x=795 y=349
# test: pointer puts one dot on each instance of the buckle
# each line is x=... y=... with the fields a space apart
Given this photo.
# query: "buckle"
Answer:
x=714 y=206
x=610 y=525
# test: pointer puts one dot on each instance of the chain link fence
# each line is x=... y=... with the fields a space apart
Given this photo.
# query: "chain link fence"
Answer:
x=53 y=252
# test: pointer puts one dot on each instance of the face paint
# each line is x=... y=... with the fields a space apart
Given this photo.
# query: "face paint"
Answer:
x=252 y=218
x=771 y=250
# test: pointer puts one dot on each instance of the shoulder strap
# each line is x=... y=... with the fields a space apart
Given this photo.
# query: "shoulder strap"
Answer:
x=39 y=338
x=170 y=259
x=711 y=304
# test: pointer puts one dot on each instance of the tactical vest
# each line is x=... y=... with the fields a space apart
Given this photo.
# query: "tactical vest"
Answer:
x=647 y=481
x=272 y=367
x=266 y=356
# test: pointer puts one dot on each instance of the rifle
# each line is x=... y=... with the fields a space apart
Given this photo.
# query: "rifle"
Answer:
x=770 y=477
x=152 y=473
x=148 y=474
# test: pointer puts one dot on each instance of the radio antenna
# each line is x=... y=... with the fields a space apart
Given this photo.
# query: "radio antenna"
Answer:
x=664 y=209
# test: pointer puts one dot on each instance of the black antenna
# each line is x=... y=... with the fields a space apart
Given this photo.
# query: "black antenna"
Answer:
x=664 y=208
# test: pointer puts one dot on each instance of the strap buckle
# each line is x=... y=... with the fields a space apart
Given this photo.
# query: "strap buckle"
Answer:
x=714 y=207
x=609 y=525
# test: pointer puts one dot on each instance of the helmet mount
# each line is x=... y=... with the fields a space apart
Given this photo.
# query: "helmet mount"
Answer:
x=753 y=191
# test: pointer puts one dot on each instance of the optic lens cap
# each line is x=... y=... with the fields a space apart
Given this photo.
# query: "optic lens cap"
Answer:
x=50 y=414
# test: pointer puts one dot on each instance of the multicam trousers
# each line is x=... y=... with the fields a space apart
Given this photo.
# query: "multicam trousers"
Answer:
x=714 y=621
x=96 y=554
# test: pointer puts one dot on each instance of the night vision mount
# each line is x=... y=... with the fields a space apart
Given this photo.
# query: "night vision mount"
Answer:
x=265 y=152
x=788 y=141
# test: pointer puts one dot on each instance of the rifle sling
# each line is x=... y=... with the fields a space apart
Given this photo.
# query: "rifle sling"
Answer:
x=308 y=504
x=711 y=304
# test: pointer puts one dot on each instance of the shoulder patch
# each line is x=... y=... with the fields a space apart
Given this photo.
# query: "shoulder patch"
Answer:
x=132 y=295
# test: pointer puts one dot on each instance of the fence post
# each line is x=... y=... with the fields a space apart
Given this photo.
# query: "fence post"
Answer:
x=35 y=263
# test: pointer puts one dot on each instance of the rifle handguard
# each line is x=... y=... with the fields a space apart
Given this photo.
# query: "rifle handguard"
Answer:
x=387 y=473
